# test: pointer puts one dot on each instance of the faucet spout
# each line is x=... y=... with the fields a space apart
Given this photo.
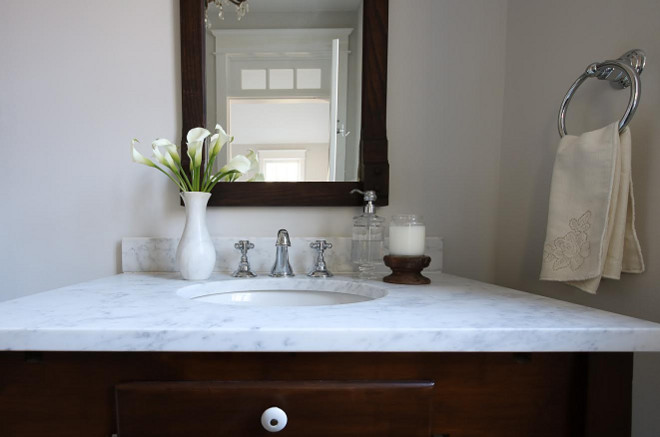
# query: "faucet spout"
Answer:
x=283 y=238
x=282 y=267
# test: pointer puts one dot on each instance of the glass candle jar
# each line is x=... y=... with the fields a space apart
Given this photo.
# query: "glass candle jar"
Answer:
x=407 y=235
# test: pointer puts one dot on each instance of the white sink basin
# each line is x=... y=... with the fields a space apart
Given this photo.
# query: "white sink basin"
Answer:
x=282 y=292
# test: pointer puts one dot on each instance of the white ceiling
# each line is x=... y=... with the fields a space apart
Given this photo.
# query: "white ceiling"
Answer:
x=303 y=5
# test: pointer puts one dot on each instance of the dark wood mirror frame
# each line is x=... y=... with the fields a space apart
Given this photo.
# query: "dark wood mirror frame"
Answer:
x=374 y=166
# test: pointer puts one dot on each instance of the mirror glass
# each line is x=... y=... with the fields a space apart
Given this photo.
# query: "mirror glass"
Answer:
x=284 y=81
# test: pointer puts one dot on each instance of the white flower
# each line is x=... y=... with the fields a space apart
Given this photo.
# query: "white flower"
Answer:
x=254 y=160
x=172 y=148
x=214 y=145
x=167 y=154
x=195 y=138
x=224 y=138
x=173 y=151
x=159 y=156
x=171 y=163
x=138 y=157
x=239 y=163
x=166 y=159
x=198 y=158
x=162 y=142
x=197 y=134
x=218 y=140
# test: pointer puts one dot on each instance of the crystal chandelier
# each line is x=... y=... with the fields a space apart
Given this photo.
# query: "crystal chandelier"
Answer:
x=242 y=8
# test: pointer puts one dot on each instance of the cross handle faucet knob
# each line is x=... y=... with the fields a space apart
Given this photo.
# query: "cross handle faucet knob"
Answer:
x=243 y=270
x=244 y=246
x=320 y=269
x=320 y=245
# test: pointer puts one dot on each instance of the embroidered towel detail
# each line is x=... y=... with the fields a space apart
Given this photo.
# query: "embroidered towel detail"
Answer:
x=573 y=248
x=591 y=220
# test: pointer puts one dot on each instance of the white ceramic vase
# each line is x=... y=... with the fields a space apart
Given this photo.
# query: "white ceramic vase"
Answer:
x=195 y=256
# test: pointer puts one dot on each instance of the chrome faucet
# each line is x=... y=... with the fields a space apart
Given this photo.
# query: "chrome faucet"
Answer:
x=281 y=267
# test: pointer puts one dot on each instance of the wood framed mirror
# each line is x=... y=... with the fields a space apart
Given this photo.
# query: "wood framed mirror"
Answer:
x=373 y=167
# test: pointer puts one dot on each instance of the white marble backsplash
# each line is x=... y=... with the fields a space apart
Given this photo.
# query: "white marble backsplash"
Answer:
x=159 y=254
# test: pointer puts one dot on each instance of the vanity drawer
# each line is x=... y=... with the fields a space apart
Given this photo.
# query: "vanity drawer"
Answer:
x=313 y=408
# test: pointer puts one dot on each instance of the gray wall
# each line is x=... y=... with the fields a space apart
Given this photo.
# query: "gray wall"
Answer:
x=549 y=43
x=445 y=102
x=80 y=79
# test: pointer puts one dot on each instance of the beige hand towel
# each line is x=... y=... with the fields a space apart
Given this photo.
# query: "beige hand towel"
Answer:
x=591 y=221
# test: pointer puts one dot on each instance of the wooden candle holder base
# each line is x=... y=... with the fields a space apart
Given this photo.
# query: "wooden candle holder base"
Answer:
x=407 y=269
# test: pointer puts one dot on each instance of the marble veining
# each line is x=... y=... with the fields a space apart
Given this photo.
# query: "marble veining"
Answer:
x=143 y=312
x=159 y=254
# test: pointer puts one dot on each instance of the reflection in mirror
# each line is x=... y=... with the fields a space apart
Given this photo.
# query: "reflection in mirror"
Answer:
x=284 y=81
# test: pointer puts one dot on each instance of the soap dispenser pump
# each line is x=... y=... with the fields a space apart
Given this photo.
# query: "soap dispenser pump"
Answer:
x=367 y=244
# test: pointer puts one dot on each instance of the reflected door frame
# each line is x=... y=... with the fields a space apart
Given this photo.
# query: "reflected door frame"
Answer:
x=232 y=45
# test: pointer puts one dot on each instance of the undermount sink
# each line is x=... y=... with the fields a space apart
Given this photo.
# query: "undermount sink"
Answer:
x=282 y=292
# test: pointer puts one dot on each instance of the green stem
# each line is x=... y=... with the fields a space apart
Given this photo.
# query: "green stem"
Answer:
x=178 y=184
x=194 y=178
x=180 y=175
x=220 y=175
x=207 y=171
x=185 y=180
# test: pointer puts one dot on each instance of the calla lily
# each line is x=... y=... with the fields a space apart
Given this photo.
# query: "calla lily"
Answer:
x=254 y=167
x=239 y=163
x=171 y=163
x=162 y=142
x=214 y=145
x=201 y=179
x=197 y=134
x=218 y=140
x=224 y=138
x=138 y=157
x=159 y=156
x=198 y=158
x=195 y=138
x=194 y=149
x=172 y=149
x=254 y=160
x=166 y=160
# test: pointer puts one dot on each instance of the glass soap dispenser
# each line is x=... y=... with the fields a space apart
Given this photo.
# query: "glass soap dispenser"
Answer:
x=367 y=244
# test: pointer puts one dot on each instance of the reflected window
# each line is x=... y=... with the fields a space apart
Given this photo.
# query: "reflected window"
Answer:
x=280 y=78
x=282 y=165
x=253 y=79
x=308 y=78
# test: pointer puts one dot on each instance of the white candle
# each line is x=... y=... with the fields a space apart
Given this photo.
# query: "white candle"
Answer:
x=407 y=240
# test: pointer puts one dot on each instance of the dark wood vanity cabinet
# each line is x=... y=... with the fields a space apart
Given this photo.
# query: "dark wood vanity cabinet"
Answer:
x=144 y=394
x=312 y=408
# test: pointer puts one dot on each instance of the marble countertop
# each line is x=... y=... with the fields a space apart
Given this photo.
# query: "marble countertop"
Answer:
x=143 y=312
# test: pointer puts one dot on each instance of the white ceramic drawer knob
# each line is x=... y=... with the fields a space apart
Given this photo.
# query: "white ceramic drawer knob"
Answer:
x=273 y=419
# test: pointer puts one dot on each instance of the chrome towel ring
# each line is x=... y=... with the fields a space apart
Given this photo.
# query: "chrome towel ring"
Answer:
x=622 y=73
